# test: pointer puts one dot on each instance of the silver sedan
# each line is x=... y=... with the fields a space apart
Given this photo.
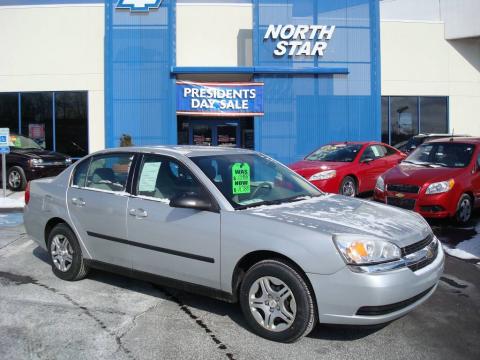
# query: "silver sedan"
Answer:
x=236 y=225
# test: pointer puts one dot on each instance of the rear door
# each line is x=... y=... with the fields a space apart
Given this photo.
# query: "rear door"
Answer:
x=476 y=181
x=97 y=202
x=182 y=244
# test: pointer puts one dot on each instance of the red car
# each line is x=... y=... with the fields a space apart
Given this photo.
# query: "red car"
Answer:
x=440 y=179
x=348 y=168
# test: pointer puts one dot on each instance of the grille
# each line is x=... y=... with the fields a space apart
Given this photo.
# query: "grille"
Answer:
x=410 y=249
x=408 y=204
x=427 y=261
x=387 y=309
x=410 y=189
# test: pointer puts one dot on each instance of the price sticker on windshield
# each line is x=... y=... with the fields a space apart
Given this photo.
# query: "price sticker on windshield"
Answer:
x=241 y=178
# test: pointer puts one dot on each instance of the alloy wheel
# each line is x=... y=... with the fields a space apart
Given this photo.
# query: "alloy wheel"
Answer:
x=465 y=210
x=14 y=179
x=272 y=303
x=348 y=189
x=62 y=253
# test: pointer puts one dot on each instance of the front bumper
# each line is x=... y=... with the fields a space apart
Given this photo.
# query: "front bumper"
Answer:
x=328 y=186
x=341 y=295
x=429 y=206
x=38 y=172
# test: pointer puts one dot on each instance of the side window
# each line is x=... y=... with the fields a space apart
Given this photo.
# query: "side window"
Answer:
x=109 y=172
x=368 y=154
x=80 y=174
x=478 y=162
x=164 y=178
x=389 y=151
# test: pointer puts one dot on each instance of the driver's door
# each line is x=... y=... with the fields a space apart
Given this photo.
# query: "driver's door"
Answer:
x=182 y=244
x=372 y=165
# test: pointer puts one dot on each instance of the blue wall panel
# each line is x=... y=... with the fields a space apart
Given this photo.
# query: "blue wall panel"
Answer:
x=304 y=112
x=139 y=51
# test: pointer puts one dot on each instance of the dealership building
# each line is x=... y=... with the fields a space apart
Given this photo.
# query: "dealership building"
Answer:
x=278 y=76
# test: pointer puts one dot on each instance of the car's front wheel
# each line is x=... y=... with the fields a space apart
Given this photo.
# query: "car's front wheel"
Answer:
x=66 y=254
x=277 y=302
x=17 y=181
x=348 y=187
x=464 y=209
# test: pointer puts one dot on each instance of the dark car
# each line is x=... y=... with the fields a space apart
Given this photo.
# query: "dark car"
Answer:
x=28 y=161
x=411 y=144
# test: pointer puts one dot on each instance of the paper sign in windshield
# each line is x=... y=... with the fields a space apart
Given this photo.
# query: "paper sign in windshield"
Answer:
x=241 y=178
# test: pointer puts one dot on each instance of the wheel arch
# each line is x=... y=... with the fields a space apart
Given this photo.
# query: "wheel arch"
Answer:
x=250 y=259
x=50 y=225
x=354 y=177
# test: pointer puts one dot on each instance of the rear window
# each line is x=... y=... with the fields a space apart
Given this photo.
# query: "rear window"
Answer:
x=109 y=172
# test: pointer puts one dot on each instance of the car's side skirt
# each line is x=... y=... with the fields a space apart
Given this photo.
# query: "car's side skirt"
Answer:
x=161 y=280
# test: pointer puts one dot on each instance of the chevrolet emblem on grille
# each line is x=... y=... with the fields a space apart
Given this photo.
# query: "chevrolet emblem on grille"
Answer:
x=399 y=195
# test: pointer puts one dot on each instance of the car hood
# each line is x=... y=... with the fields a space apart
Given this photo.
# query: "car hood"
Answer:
x=308 y=167
x=335 y=214
x=418 y=175
x=45 y=155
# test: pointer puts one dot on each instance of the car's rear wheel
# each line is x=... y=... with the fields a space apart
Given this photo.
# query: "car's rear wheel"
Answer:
x=16 y=179
x=66 y=254
x=277 y=302
x=348 y=187
x=464 y=209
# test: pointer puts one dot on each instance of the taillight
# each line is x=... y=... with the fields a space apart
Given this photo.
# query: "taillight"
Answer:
x=27 y=193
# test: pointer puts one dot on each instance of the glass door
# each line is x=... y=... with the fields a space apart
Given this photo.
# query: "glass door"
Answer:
x=227 y=135
x=201 y=135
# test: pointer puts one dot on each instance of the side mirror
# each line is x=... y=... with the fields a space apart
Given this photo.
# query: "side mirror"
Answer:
x=366 y=160
x=191 y=201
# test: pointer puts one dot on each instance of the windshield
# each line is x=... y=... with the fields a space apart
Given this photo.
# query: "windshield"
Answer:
x=22 y=142
x=337 y=152
x=249 y=180
x=452 y=155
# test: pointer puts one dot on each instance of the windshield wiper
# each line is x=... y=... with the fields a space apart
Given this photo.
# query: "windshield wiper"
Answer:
x=275 y=202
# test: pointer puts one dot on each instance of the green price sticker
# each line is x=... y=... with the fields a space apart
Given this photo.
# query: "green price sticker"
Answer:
x=241 y=178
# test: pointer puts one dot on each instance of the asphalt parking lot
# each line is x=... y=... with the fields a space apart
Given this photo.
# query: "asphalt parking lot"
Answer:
x=109 y=316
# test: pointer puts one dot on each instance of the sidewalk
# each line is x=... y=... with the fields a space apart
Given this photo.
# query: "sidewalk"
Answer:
x=14 y=202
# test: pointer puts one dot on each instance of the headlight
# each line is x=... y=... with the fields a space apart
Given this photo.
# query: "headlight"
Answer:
x=35 y=162
x=68 y=161
x=366 y=251
x=380 y=185
x=323 y=175
x=440 y=187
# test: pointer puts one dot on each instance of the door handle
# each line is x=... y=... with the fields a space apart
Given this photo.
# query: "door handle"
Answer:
x=138 y=213
x=78 y=202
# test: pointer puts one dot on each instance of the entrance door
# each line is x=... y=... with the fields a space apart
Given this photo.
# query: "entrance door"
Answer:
x=215 y=133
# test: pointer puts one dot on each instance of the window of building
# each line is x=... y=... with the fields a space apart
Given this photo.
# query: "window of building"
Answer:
x=36 y=118
x=406 y=116
x=56 y=121
x=9 y=111
x=71 y=123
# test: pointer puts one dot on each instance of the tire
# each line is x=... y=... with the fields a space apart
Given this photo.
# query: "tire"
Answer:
x=74 y=267
x=16 y=179
x=464 y=210
x=348 y=187
x=302 y=307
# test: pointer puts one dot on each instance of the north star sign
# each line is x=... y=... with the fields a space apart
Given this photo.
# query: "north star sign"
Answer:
x=139 y=5
x=298 y=40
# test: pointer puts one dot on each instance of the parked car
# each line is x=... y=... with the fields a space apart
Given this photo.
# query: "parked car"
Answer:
x=28 y=161
x=236 y=225
x=415 y=141
x=440 y=179
x=348 y=168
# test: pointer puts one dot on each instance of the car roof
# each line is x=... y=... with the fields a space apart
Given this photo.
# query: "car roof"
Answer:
x=185 y=150
x=465 y=140
x=355 y=143
x=439 y=135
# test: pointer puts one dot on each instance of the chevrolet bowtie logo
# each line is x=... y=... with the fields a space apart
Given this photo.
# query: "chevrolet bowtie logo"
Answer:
x=399 y=195
x=139 y=5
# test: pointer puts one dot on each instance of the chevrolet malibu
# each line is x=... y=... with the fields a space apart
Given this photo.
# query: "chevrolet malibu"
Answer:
x=235 y=225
